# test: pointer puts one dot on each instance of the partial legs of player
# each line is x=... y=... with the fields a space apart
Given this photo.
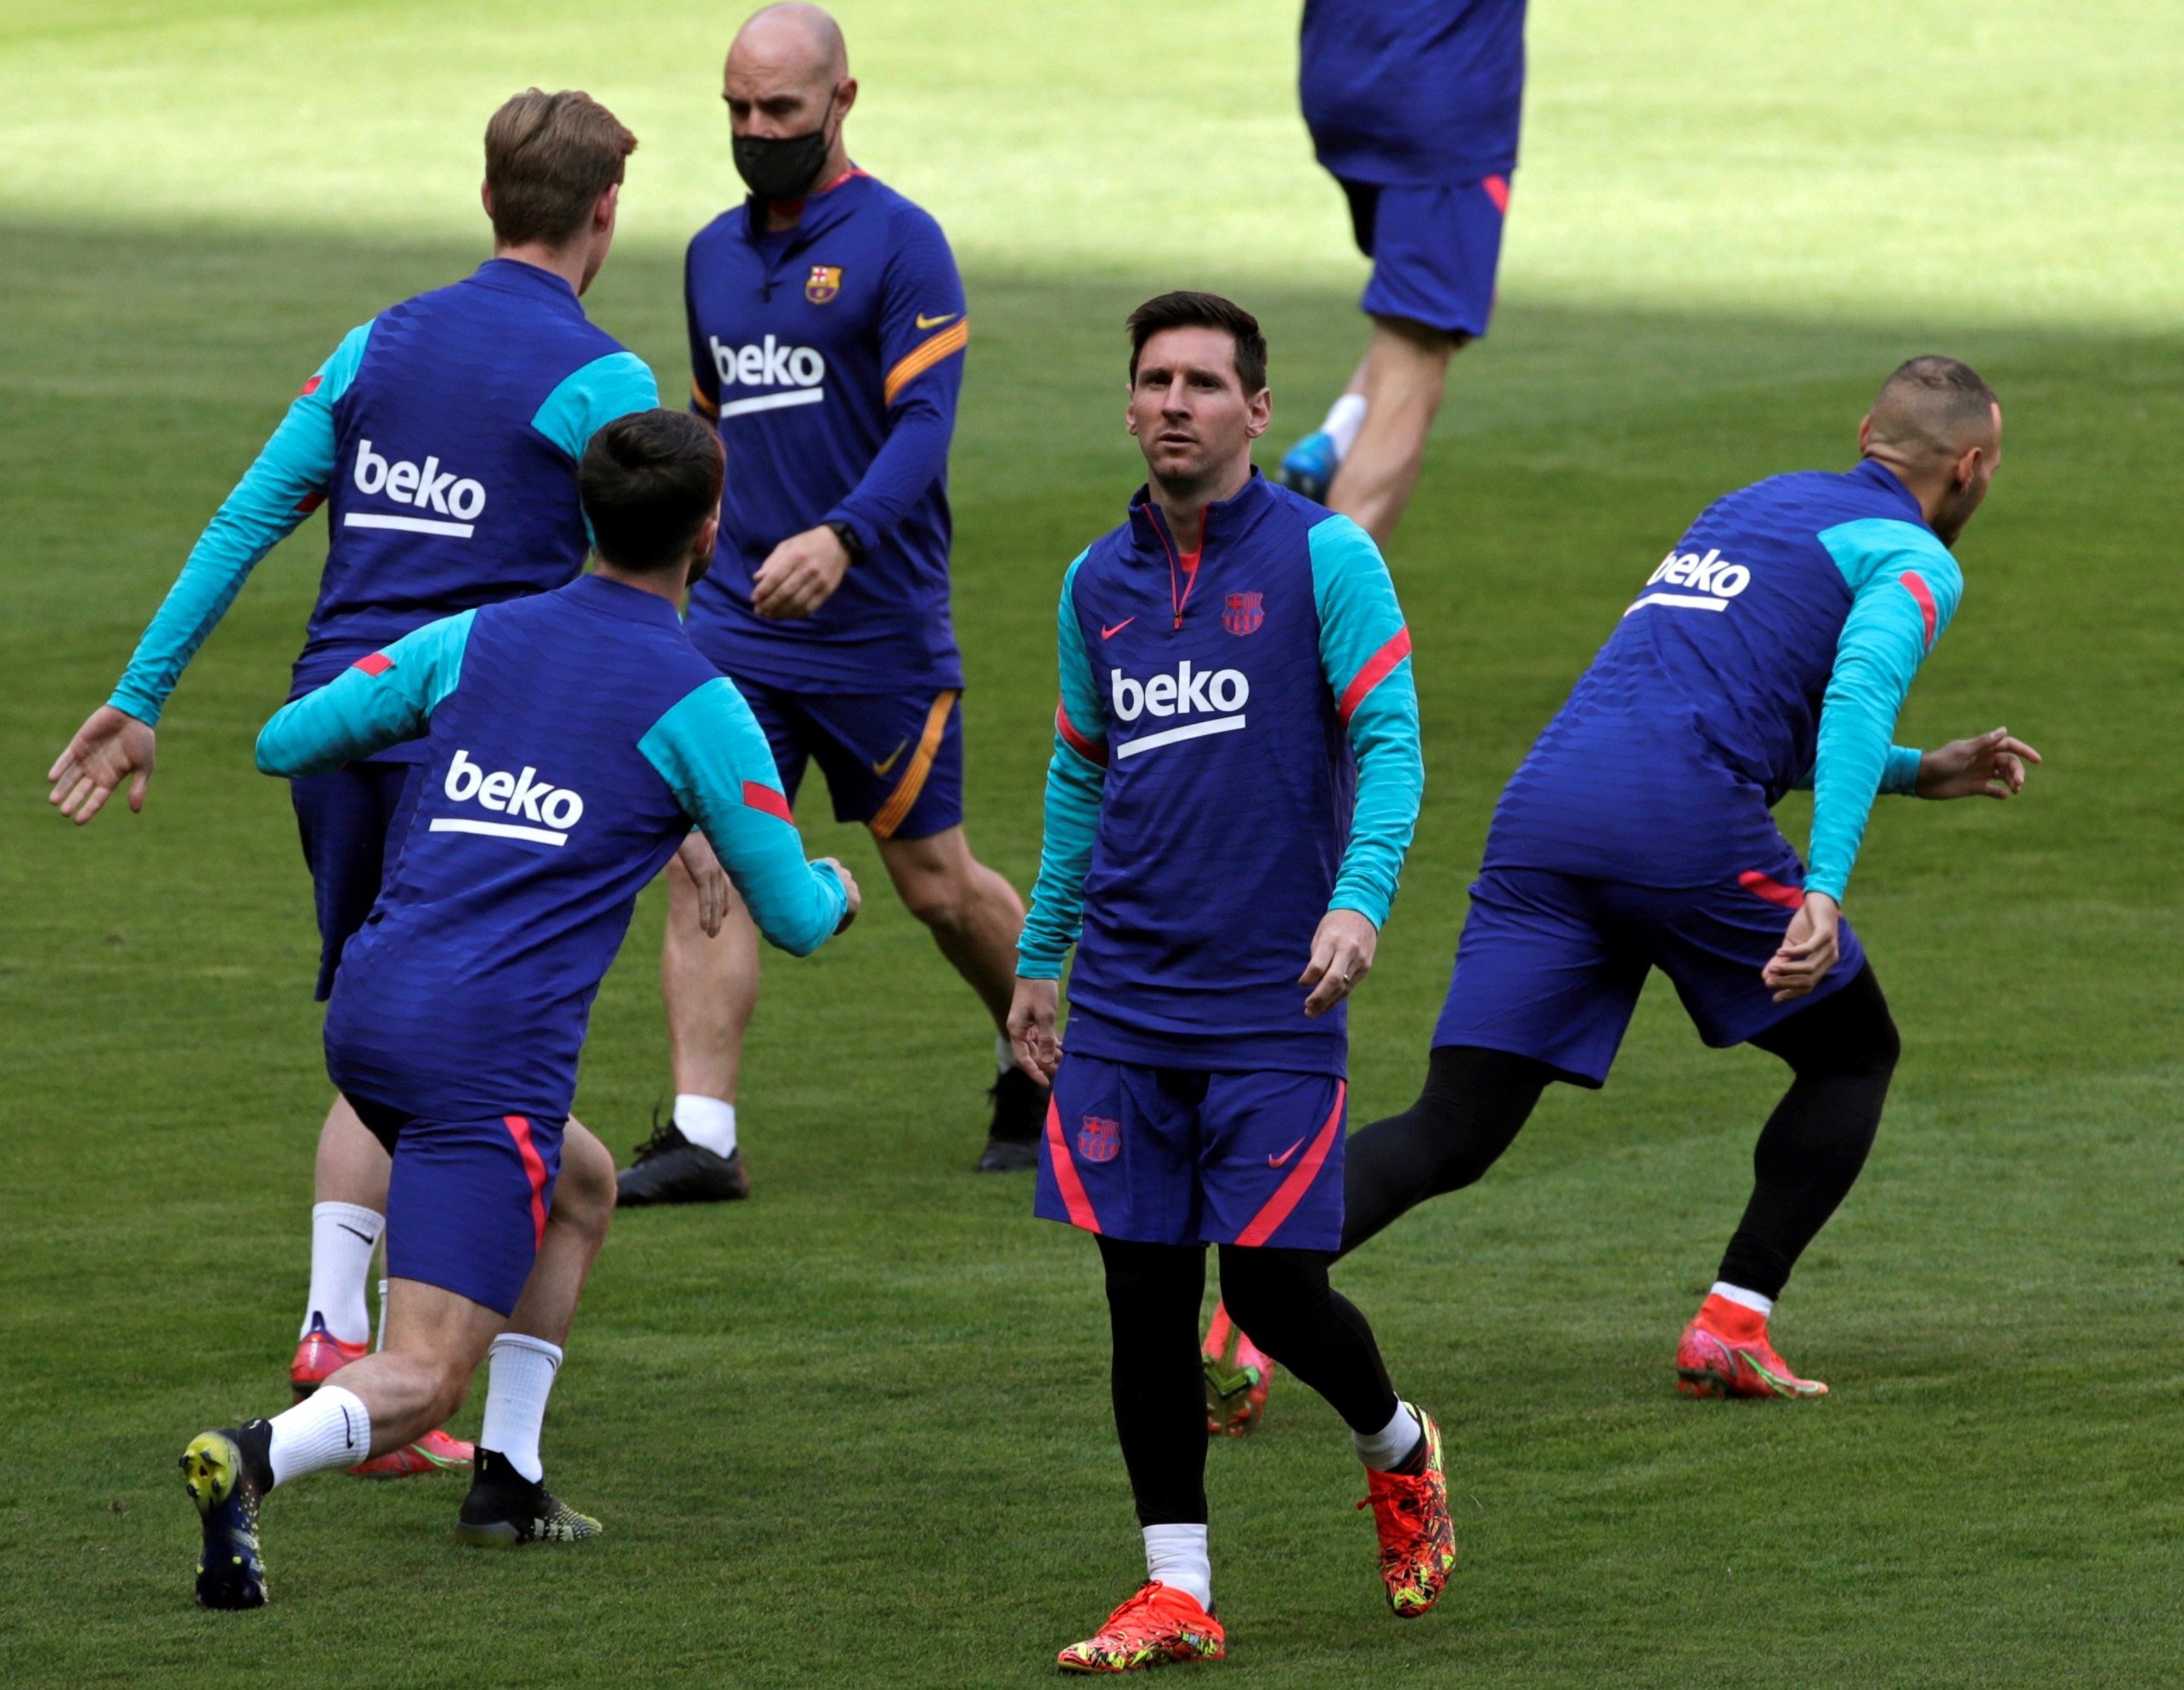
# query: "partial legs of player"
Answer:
x=1363 y=459
x=347 y=1218
x=386 y=1400
x=711 y=987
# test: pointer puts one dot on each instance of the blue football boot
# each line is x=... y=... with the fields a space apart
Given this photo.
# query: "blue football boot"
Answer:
x=226 y=1474
x=1308 y=467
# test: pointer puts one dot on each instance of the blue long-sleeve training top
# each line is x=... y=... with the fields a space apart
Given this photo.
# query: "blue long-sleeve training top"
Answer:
x=1236 y=754
x=571 y=738
x=442 y=437
x=1772 y=648
x=830 y=355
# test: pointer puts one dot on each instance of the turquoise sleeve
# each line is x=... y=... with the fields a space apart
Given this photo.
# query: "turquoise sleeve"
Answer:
x=291 y=475
x=1076 y=776
x=587 y=401
x=1364 y=652
x=1905 y=590
x=1899 y=775
x=376 y=701
x=714 y=756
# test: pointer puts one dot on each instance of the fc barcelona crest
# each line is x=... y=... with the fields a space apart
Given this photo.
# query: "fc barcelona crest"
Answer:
x=1240 y=613
x=1099 y=1139
x=824 y=282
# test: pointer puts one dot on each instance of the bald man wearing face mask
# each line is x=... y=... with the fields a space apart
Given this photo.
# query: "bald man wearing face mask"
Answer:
x=827 y=326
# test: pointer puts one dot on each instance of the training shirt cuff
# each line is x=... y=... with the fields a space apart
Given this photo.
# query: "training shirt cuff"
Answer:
x=868 y=535
x=143 y=706
x=1029 y=967
x=1373 y=910
x=1899 y=775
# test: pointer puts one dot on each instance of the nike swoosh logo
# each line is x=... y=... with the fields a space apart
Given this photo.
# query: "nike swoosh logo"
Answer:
x=1107 y=633
x=882 y=768
x=1276 y=1161
x=925 y=322
x=368 y=1238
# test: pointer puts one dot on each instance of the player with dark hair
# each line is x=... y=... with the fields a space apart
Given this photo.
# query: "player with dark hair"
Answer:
x=443 y=436
x=828 y=328
x=571 y=739
x=1235 y=779
x=1414 y=107
x=1771 y=648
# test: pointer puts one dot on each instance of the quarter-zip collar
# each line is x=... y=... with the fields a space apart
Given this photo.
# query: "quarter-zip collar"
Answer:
x=1876 y=473
x=1228 y=517
x=513 y=275
x=822 y=211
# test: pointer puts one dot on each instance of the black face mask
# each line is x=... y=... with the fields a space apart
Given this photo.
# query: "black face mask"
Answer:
x=783 y=168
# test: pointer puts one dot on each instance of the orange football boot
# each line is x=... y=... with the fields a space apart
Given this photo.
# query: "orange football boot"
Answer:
x=1724 y=1353
x=319 y=1357
x=1418 y=1538
x=1238 y=1374
x=1157 y=1626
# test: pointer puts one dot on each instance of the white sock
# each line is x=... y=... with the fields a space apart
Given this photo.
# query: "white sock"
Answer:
x=705 y=1120
x=1345 y=417
x=522 y=1373
x=328 y=1428
x=1177 y=1556
x=1738 y=1294
x=380 y=1342
x=342 y=1237
x=1383 y=1450
x=1004 y=1053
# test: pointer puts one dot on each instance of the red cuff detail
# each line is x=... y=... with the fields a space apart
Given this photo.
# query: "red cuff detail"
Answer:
x=1090 y=749
x=1378 y=668
x=1915 y=584
x=377 y=664
x=758 y=797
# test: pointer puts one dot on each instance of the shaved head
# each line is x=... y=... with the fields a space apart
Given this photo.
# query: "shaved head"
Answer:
x=1939 y=427
x=1933 y=408
x=792 y=41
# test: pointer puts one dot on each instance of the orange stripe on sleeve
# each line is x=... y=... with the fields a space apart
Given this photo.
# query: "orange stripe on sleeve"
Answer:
x=950 y=340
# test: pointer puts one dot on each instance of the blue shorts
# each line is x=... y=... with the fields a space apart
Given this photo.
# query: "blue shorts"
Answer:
x=1434 y=251
x=1175 y=1155
x=467 y=1202
x=352 y=820
x=1550 y=965
x=893 y=760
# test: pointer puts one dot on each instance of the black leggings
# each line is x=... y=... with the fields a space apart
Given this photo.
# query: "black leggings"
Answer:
x=1281 y=1297
x=1841 y=1051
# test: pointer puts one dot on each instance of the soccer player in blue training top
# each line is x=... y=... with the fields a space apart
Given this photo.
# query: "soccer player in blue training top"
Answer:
x=1235 y=779
x=1771 y=648
x=571 y=739
x=826 y=332
x=443 y=437
x=1412 y=106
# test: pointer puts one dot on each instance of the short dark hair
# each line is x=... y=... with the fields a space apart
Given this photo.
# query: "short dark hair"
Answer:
x=1185 y=309
x=548 y=158
x=649 y=480
x=1931 y=403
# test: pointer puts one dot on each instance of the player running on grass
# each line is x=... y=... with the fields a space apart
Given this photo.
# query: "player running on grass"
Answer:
x=443 y=437
x=1412 y=106
x=1235 y=779
x=572 y=740
x=827 y=327
x=1771 y=648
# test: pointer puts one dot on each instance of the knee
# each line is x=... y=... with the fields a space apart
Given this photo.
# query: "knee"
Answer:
x=941 y=900
x=1266 y=1291
x=584 y=1190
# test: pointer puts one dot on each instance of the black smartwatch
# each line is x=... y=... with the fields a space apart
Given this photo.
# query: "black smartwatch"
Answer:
x=850 y=543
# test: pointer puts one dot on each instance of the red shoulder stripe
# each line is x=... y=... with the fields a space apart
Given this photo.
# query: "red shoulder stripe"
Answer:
x=1090 y=749
x=1378 y=668
x=764 y=798
x=1915 y=584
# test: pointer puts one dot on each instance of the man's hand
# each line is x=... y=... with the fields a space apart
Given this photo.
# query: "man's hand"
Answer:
x=1031 y=1036
x=1993 y=766
x=849 y=886
x=715 y=894
x=110 y=747
x=1809 y=950
x=1342 y=956
x=799 y=574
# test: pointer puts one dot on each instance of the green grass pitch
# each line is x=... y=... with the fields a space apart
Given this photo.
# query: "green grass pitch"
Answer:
x=856 y=1433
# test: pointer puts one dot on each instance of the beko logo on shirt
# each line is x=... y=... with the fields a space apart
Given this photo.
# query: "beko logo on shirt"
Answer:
x=1182 y=692
x=794 y=372
x=424 y=487
x=1712 y=582
x=555 y=808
